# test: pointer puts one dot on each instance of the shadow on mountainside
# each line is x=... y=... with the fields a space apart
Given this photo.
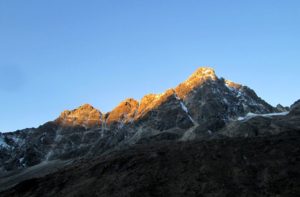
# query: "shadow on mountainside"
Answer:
x=259 y=166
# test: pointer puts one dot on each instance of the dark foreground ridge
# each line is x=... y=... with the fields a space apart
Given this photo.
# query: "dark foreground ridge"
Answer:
x=260 y=166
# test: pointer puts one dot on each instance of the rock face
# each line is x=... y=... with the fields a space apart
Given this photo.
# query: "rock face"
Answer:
x=213 y=102
x=161 y=113
x=200 y=107
x=280 y=108
x=268 y=124
x=86 y=115
x=26 y=147
x=295 y=108
x=124 y=113
x=198 y=78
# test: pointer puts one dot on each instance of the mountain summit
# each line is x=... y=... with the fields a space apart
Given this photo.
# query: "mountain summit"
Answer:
x=200 y=76
x=86 y=115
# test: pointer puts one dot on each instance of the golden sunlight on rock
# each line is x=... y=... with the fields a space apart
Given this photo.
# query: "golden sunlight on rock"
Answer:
x=200 y=76
x=131 y=110
x=151 y=101
x=124 y=112
x=232 y=84
x=86 y=115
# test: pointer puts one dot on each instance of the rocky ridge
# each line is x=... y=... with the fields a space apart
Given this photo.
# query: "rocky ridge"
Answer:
x=203 y=85
x=202 y=105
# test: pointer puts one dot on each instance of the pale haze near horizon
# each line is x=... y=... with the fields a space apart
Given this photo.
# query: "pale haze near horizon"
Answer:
x=58 y=55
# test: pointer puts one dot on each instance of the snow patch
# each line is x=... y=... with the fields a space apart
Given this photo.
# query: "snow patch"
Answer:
x=252 y=115
x=240 y=118
x=239 y=94
x=21 y=160
x=184 y=108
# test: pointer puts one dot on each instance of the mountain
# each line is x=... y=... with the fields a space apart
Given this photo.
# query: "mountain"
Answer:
x=204 y=107
x=265 y=165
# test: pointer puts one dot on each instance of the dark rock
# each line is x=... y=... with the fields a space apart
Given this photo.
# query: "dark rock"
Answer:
x=280 y=108
x=263 y=125
x=295 y=108
x=266 y=166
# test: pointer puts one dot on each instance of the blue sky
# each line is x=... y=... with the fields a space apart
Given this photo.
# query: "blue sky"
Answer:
x=59 y=54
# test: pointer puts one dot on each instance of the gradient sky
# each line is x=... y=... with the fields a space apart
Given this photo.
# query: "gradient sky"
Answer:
x=59 y=54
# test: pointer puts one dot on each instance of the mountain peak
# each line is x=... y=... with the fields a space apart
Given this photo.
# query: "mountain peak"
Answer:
x=204 y=72
x=86 y=107
x=124 y=112
x=200 y=76
x=85 y=115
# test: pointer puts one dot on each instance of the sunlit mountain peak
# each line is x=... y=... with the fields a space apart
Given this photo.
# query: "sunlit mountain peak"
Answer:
x=85 y=115
x=200 y=76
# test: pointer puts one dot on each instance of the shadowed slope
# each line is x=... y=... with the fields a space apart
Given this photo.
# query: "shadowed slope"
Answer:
x=239 y=167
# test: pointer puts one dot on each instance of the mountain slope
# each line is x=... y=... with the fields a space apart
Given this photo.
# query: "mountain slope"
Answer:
x=264 y=166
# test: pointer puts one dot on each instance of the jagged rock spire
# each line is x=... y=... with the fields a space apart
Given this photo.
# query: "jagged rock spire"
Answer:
x=200 y=76
x=86 y=115
x=124 y=112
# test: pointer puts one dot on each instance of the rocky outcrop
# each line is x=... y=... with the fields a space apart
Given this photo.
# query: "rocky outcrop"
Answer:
x=198 y=78
x=295 y=108
x=86 y=115
x=213 y=101
x=163 y=112
x=280 y=108
x=255 y=125
x=124 y=113
x=27 y=147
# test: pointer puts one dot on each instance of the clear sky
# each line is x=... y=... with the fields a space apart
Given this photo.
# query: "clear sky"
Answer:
x=59 y=54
